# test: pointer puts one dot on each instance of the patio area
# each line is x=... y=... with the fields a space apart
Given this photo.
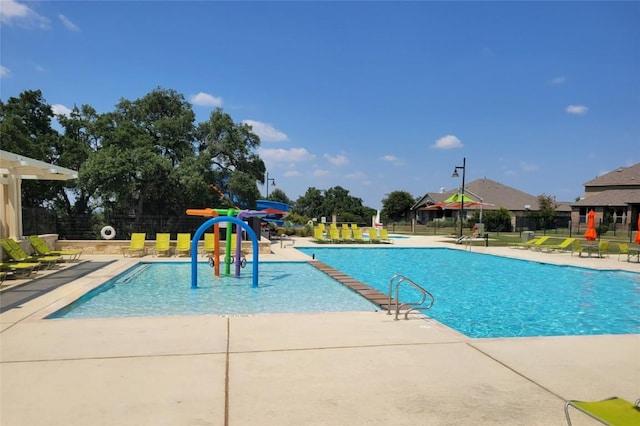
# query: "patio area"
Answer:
x=355 y=368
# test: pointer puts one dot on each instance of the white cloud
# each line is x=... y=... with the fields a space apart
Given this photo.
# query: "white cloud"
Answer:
x=205 y=99
x=558 y=80
x=338 y=160
x=68 y=23
x=12 y=12
x=266 y=131
x=528 y=167
x=279 y=155
x=4 y=72
x=320 y=172
x=40 y=68
x=448 y=142
x=292 y=173
x=59 y=109
x=392 y=159
x=577 y=109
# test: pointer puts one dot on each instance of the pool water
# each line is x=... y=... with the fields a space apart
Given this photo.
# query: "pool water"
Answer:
x=490 y=296
x=164 y=288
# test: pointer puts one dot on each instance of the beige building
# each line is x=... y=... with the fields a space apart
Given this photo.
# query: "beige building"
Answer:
x=615 y=198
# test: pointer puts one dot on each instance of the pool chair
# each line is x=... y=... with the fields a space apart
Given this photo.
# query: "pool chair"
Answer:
x=611 y=411
x=209 y=244
x=384 y=236
x=334 y=235
x=15 y=252
x=43 y=249
x=550 y=248
x=577 y=248
x=345 y=234
x=318 y=233
x=603 y=248
x=19 y=269
x=531 y=243
x=357 y=236
x=373 y=235
x=623 y=248
x=183 y=245
x=136 y=245
x=163 y=245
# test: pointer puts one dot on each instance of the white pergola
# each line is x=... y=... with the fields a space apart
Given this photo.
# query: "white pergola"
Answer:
x=13 y=169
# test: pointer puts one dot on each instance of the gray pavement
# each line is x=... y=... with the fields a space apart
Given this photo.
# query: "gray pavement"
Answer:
x=356 y=368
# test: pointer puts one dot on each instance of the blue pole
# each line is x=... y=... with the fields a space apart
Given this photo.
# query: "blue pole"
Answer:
x=201 y=230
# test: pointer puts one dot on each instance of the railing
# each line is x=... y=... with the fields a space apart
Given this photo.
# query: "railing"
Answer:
x=398 y=279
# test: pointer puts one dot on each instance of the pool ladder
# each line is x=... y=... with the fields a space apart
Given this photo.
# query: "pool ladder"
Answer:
x=396 y=281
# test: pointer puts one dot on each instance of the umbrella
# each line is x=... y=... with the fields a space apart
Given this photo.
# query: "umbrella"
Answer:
x=638 y=231
x=591 y=234
x=456 y=198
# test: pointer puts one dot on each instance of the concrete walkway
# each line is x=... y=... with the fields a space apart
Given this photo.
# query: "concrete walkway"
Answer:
x=360 y=368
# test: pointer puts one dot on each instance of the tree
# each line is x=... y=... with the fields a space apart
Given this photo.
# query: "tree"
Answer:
x=310 y=204
x=497 y=220
x=396 y=206
x=279 y=195
x=228 y=151
x=336 y=200
x=546 y=211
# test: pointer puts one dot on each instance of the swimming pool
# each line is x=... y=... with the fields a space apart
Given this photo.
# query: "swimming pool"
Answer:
x=163 y=288
x=490 y=296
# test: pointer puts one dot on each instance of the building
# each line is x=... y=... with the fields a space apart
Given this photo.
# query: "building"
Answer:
x=615 y=198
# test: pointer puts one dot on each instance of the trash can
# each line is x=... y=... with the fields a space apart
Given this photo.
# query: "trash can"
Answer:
x=526 y=236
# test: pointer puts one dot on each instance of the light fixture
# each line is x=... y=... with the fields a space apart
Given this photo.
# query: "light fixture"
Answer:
x=455 y=175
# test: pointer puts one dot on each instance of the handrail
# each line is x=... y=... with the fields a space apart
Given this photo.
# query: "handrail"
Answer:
x=414 y=306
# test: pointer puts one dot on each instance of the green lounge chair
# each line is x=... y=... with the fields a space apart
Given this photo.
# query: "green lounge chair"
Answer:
x=21 y=269
x=163 y=245
x=563 y=246
x=531 y=243
x=612 y=411
x=623 y=248
x=43 y=249
x=15 y=252
x=183 y=244
x=603 y=248
x=136 y=245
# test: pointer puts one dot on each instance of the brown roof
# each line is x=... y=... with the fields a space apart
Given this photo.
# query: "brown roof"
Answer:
x=611 y=197
x=491 y=192
x=622 y=176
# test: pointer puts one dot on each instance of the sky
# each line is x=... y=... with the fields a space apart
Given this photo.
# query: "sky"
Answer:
x=375 y=97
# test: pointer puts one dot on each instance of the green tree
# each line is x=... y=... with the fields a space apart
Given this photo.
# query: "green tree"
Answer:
x=280 y=196
x=497 y=220
x=546 y=211
x=310 y=204
x=228 y=150
x=396 y=206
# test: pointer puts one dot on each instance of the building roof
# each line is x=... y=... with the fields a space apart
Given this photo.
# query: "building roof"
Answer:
x=622 y=176
x=487 y=191
x=611 y=197
x=28 y=168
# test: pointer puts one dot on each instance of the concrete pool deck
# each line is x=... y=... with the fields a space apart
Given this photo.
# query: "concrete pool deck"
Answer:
x=356 y=368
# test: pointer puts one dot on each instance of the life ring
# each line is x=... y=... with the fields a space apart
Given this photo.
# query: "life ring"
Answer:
x=108 y=233
x=212 y=262
x=243 y=262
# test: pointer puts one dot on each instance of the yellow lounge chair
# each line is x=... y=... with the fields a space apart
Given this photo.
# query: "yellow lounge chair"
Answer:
x=564 y=245
x=384 y=236
x=373 y=235
x=136 y=245
x=357 y=235
x=209 y=244
x=183 y=244
x=43 y=249
x=163 y=245
x=531 y=243
x=345 y=234
x=15 y=252
x=21 y=269
x=612 y=411
x=623 y=248
x=334 y=235
x=318 y=233
x=603 y=248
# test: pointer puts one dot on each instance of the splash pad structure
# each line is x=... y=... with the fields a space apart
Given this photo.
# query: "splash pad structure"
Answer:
x=225 y=215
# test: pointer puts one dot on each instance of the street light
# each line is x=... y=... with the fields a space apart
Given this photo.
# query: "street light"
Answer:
x=272 y=180
x=455 y=175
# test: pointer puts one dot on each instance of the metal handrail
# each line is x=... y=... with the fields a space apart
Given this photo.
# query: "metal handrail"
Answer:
x=415 y=306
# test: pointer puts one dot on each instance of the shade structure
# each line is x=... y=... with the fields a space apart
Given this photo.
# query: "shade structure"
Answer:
x=455 y=205
x=638 y=231
x=591 y=234
x=457 y=198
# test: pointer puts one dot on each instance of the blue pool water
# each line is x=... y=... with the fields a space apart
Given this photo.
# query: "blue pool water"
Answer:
x=489 y=296
x=157 y=289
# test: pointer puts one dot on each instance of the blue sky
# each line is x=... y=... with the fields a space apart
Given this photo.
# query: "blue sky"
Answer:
x=372 y=96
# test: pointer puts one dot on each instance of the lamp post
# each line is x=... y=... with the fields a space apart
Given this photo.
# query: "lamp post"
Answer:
x=455 y=174
x=272 y=180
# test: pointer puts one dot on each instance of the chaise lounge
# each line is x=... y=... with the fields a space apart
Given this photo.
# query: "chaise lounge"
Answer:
x=611 y=411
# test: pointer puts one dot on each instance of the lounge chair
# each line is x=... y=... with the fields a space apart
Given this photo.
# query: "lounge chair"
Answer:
x=373 y=235
x=345 y=234
x=384 y=236
x=183 y=244
x=531 y=243
x=623 y=248
x=209 y=244
x=15 y=252
x=563 y=246
x=603 y=248
x=43 y=249
x=611 y=411
x=163 y=245
x=19 y=269
x=318 y=233
x=334 y=235
x=577 y=247
x=357 y=235
x=136 y=245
